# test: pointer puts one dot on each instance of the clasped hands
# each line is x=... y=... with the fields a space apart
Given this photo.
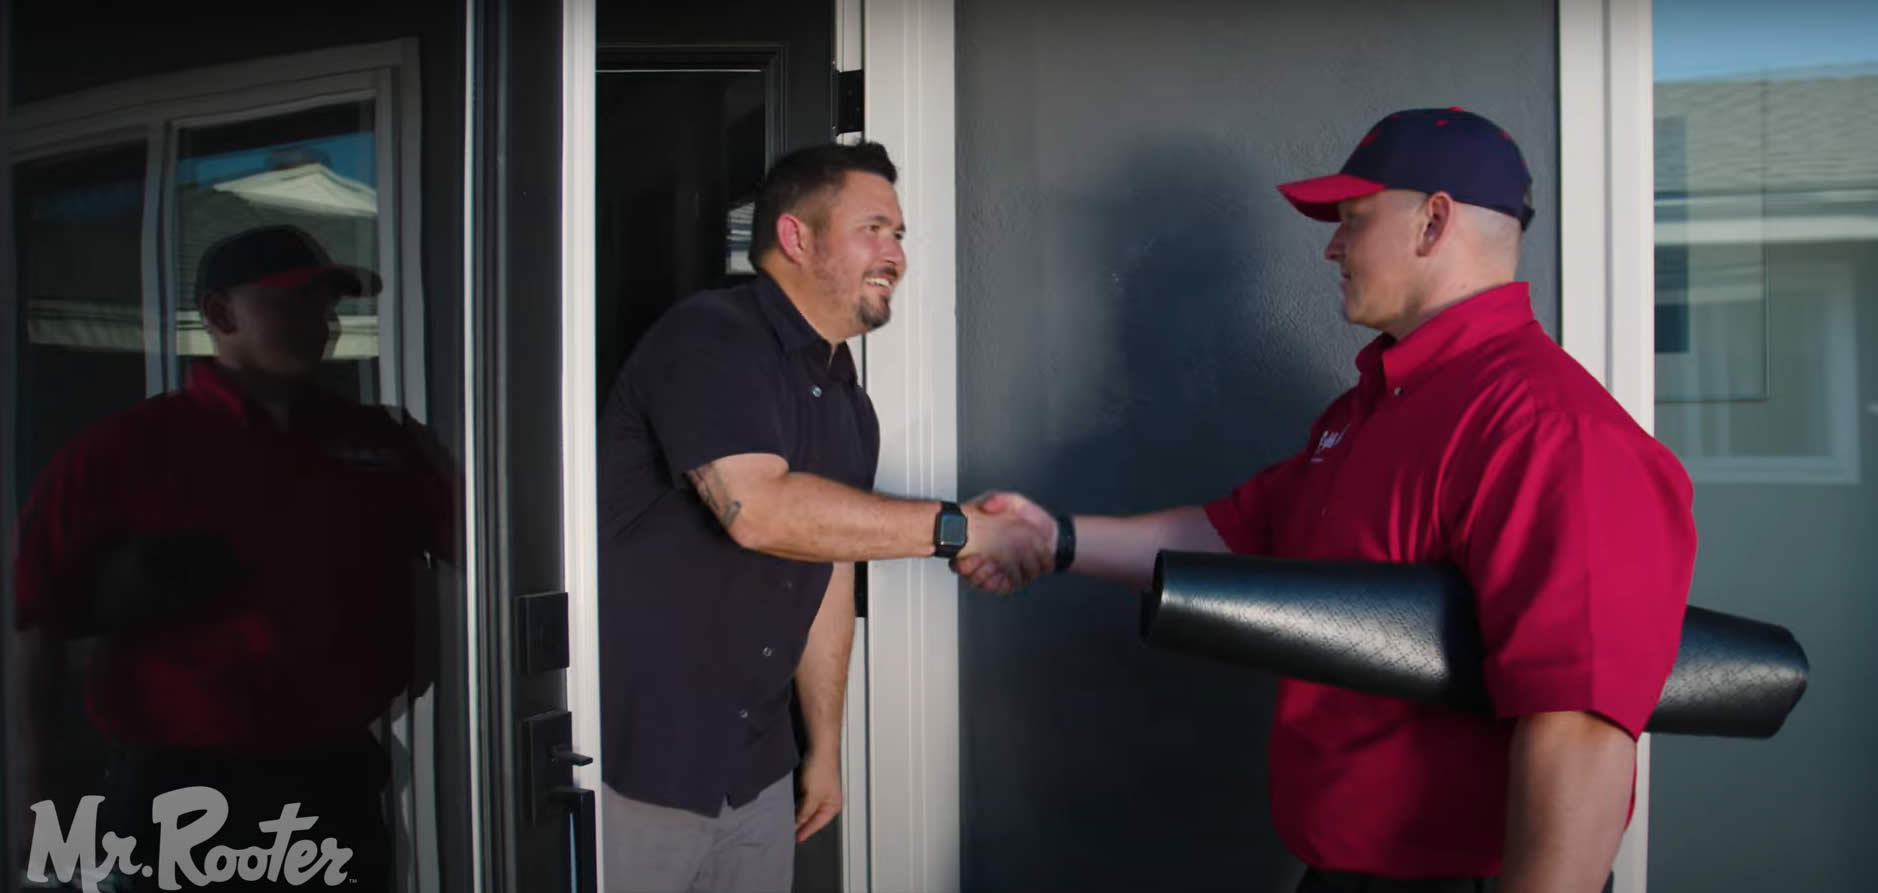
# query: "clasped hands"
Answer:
x=1010 y=542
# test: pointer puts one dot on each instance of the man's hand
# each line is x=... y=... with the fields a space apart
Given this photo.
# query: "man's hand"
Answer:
x=1011 y=541
x=820 y=783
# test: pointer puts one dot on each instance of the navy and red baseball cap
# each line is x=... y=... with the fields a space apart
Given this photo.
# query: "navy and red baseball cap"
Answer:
x=1426 y=150
x=280 y=256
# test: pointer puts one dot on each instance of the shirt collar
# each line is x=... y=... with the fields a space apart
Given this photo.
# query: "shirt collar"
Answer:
x=1455 y=330
x=791 y=327
x=793 y=331
x=210 y=385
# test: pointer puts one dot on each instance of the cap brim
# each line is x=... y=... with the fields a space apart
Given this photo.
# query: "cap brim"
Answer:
x=354 y=281
x=1317 y=197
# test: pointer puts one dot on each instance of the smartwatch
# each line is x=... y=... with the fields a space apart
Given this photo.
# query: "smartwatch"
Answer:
x=948 y=531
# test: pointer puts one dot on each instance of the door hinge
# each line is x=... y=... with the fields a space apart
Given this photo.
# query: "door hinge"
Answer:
x=849 y=102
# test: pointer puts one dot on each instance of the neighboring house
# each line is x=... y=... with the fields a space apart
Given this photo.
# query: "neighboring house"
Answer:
x=340 y=212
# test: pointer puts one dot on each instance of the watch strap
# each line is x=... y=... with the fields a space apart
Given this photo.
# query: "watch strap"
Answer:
x=1065 y=542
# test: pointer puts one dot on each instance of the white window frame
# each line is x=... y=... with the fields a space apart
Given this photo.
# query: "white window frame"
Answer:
x=1607 y=285
x=1836 y=284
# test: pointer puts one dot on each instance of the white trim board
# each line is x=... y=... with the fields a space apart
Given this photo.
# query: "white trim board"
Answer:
x=912 y=628
x=1607 y=290
x=856 y=818
x=580 y=511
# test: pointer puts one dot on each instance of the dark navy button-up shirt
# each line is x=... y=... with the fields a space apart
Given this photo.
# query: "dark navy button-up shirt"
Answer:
x=700 y=637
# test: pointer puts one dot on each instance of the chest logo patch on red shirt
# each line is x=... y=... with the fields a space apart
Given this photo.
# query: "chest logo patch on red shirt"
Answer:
x=365 y=457
x=1327 y=440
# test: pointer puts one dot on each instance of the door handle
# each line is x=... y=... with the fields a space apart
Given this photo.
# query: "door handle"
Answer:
x=562 y=753
x=581 y=805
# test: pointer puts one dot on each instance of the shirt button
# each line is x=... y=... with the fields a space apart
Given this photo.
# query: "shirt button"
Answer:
x=743 y=714
x=767 y=651
x=789 y=585
x=815 y=391
x=1398 y=392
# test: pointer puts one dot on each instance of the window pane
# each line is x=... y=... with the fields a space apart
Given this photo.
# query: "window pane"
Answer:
x=79 y=216
x=1767 y=304
x=313 y=169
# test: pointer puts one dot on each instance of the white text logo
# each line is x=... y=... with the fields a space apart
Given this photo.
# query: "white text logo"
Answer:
x=75 y=853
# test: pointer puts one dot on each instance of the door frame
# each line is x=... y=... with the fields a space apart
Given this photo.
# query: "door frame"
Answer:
x=912 y=674
x=12 y=805
x=579 y=402
x=1607 y=260
x=901 y=737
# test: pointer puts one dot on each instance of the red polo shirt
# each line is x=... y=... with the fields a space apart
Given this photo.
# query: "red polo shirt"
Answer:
x=325 y=523
x=1475 y=441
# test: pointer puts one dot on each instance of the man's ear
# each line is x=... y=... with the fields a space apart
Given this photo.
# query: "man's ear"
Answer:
x=795 y=238
x=217 y=315
x=1437 y=220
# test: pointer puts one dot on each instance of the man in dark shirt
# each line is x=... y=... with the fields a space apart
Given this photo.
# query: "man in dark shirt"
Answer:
x=737 y=455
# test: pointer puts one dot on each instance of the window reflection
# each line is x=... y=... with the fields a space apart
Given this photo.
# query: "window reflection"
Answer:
x=79 y=215
x=314 y=169
x=235 y=521
x=1767 y=308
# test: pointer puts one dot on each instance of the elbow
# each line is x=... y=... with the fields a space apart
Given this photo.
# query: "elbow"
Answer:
x=753 y=530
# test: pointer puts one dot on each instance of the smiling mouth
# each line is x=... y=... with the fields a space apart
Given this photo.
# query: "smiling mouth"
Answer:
x=885 y=282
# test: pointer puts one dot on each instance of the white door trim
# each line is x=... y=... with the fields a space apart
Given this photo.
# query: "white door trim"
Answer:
x=912 y=629
x=1607 y=288
x=856 y=817
x=580 y=507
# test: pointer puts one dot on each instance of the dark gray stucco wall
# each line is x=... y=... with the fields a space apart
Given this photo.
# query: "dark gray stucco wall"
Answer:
x=1143 y=322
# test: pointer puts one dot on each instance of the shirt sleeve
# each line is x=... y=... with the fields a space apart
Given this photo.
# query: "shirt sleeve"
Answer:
x=1579 y=543
x=1243 y=518
x=713 y=392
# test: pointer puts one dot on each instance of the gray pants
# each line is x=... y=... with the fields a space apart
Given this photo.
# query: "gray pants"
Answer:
x=653 y=849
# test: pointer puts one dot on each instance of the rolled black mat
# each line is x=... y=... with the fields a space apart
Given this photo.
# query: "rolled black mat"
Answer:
x=1408 y=631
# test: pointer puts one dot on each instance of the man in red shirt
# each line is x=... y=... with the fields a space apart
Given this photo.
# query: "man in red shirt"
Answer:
x=1472 y=440
x=240 y=561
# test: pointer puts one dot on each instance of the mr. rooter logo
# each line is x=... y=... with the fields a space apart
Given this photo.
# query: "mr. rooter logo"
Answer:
x=74 y=852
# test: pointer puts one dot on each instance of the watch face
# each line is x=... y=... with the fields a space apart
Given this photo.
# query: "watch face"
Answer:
x=952 y=529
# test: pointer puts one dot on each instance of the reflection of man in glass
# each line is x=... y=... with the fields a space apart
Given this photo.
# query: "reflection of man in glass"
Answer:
x=239 y=558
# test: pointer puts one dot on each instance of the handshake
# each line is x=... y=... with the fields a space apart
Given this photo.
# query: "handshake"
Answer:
x=1011 y=542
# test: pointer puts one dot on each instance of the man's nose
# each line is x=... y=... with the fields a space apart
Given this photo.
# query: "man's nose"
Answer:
x=1333 y=250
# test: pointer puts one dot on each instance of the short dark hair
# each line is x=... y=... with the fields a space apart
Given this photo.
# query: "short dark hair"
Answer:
x=800 y=176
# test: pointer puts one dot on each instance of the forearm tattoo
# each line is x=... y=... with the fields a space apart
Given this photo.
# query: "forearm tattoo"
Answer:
x=713 y=493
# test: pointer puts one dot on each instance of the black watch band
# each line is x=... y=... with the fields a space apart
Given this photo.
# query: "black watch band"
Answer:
x=1065 y=542
x=949 y=532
